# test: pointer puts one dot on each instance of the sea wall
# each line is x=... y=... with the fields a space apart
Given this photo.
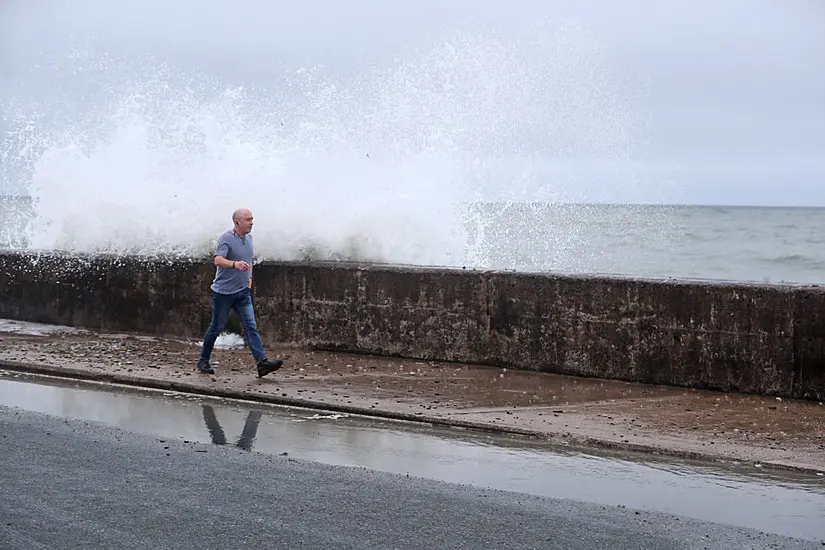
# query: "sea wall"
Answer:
x=764 y=339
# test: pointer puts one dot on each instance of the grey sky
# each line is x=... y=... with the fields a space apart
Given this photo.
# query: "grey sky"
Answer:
x=727 y=96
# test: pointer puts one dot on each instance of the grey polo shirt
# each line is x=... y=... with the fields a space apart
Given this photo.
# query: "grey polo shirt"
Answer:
x=235 y=249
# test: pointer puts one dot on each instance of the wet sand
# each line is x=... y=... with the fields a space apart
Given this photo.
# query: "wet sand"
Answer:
x=768 y=431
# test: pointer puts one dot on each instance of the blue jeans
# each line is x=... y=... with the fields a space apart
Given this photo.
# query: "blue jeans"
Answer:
x=241 y=302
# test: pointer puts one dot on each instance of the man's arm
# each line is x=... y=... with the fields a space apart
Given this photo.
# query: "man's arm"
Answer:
x=220 y=260
x=221 y=252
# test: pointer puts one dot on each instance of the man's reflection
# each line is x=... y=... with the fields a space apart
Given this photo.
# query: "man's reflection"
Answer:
x=247 y=437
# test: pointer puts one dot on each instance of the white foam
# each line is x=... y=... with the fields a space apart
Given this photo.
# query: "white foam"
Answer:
x=229 y=341
x=26 y=328
x=226 y=340
x=378 y=167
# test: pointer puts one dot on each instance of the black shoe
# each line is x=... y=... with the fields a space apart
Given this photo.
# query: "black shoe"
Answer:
x=205 y=367
x=266 y=366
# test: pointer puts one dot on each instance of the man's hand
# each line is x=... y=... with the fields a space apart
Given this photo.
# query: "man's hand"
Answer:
x=243 y=266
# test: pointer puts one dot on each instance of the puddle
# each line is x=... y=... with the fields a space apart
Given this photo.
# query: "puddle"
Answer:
x=225 y=340
x=788 y=504
x=36 y=329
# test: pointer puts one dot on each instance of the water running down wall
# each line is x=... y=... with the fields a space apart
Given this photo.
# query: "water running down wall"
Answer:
x=732 y=337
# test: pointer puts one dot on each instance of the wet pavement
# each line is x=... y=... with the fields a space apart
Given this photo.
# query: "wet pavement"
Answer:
x=735 y=428
x=781 y=502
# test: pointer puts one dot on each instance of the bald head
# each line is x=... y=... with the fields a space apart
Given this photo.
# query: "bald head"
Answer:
x=241 y=213
x=242 y=220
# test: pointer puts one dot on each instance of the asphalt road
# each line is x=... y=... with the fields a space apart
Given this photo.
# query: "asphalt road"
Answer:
x=70 y=484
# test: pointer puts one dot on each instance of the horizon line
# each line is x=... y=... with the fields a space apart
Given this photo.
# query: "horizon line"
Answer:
x=604 y=203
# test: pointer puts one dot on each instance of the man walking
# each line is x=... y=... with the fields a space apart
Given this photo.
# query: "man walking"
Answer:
x=231 y=290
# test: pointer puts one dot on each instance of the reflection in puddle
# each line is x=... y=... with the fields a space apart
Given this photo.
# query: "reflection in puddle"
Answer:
x=783 y=503
x=247 y=437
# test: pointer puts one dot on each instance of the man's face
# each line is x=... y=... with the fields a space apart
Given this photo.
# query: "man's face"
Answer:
x=245 y=222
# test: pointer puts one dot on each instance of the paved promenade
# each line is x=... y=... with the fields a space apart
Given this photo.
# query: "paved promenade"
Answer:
x=576 y=411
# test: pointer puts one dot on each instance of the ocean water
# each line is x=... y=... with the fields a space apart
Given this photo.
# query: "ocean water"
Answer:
x=479 y=146
x=731 y=243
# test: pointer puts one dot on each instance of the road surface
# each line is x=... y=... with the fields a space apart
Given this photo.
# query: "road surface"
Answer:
x=67 y=484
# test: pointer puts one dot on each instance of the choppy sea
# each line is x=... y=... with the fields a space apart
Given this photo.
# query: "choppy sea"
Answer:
x=738 y=243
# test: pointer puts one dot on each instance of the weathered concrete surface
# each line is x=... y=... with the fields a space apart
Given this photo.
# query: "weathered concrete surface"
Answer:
x=578 y=411
x=761 y=339
x=106 y=292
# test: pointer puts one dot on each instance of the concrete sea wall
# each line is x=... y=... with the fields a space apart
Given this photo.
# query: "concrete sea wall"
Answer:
x=762 y=339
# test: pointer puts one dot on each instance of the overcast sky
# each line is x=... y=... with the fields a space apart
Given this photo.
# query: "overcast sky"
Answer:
x=727 y=97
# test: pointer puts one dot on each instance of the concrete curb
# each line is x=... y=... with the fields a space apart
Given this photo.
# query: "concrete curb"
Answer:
x=557 y=437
